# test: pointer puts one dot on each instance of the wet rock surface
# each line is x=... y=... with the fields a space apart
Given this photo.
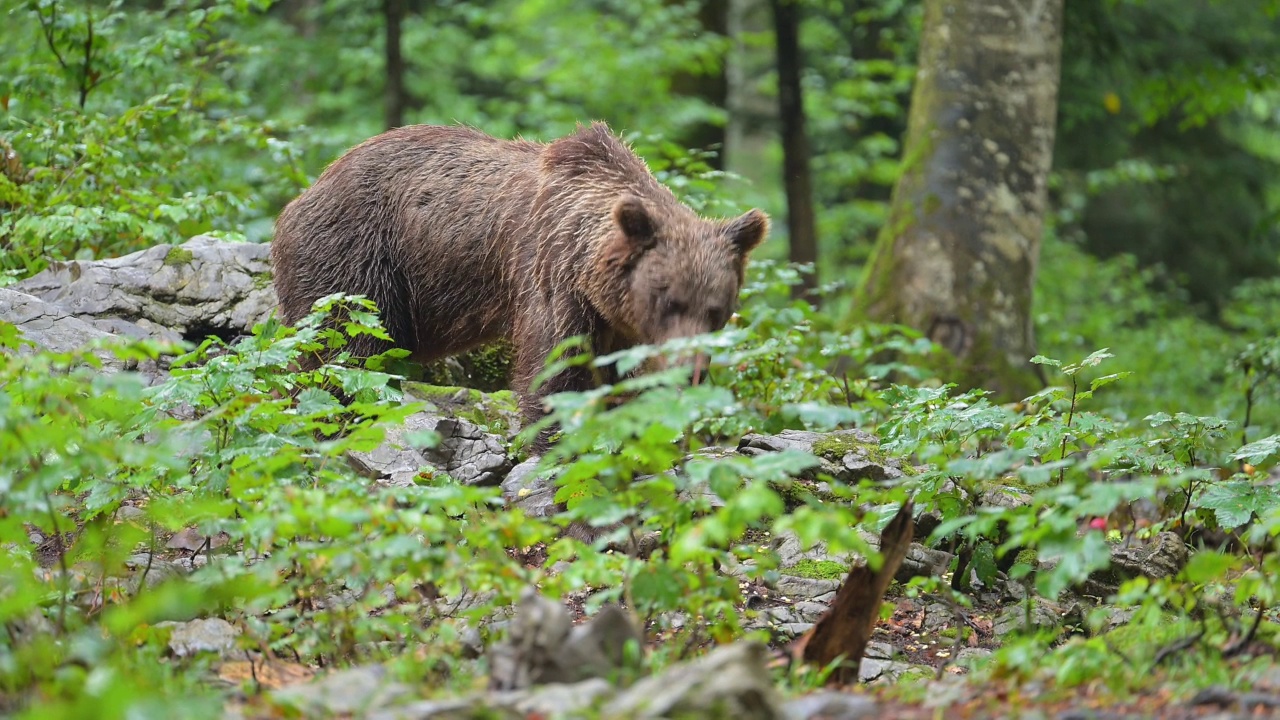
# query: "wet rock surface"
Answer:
x=212 y=635
x=467 y=453
x=47 y=326
x=847 y=455
x=529 y=490
x=732 y=681
x=544 y=646
x=166 y=293
x=342 y=693
x=1163 y=556
x=205 y=286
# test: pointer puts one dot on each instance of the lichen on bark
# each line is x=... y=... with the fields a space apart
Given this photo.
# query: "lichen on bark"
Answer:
x=958 y=256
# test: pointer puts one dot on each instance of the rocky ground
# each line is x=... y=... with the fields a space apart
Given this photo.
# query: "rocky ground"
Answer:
x=552 y=659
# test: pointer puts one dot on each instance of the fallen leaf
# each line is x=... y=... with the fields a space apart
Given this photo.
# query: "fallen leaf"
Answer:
x=270 y=675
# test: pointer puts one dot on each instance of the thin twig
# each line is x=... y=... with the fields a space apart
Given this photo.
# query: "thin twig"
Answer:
x=1176 y=647
x=1249 y=387
x=47 y=29
x=1071 y=413
x=151 y=555
x=253 y=673
x=85 y=80
x=1238 y=647
x=62 y=565
x=1106 y=641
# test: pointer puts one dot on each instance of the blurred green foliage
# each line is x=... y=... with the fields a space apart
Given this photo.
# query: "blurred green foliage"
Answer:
x=1170 y=126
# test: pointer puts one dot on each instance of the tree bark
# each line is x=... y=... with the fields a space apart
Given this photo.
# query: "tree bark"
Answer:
x=395 y=94
x=712 y=85
x=801 y=226
x=957 y=259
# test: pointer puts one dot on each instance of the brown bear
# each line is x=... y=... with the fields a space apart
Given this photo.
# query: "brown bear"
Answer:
x=461 y=238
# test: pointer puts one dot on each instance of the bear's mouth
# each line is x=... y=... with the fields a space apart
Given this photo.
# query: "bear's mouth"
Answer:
x=701 y=365
x=699 y=361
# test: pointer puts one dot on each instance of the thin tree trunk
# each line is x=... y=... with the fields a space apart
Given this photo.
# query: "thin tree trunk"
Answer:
x=801 y=227
x=957 y=259
x=735 y=82
x=711 y=86
x=395 y=93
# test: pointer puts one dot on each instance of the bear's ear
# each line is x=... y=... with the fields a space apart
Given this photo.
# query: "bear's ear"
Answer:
x=748 y=230
x=634 y=220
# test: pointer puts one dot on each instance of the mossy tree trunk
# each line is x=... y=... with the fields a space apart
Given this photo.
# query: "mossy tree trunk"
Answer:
x=957 y=259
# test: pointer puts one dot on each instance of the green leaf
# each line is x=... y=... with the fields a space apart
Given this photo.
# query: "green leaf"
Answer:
x=1108 y=379
x=1208 y=566
x=1259 y=452
x=1235 y=502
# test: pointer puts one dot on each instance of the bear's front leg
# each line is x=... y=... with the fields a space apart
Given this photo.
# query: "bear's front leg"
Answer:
x=535 y=341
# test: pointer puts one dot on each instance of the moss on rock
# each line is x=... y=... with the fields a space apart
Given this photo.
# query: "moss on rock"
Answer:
x=498 y=412
x=818 y=569
x=178 y=256
x=835 y=446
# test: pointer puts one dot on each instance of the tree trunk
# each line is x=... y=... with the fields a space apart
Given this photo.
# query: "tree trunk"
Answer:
x=395 y=93
x=801 y=227
x=710 y=85
x=957 y=259
x=735 y=81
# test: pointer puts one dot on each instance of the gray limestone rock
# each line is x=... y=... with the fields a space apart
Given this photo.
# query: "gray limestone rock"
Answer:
x=831 y=705
x=50 y=327
x=1042 y=614
x=166 y=292
x=886 y=671
x=730 y=682
x=846 y=455
x=530 y=491
x=1164 y=556
x=355 y=691
x=544 y=646
x=923 y=561
x=467 y=453
x=213 y=635
x=46 y=325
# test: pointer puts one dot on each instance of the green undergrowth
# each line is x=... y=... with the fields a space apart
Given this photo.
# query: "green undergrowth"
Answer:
x=1177 y=356
x=486 y=368
x=323 y=566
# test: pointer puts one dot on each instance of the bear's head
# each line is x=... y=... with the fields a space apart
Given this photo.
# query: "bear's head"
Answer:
x=684 y=271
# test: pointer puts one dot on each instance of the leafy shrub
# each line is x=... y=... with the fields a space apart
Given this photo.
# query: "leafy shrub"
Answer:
x=308 y=558
x=129 y=131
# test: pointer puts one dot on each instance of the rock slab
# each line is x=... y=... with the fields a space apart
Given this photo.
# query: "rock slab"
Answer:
x=203 y=286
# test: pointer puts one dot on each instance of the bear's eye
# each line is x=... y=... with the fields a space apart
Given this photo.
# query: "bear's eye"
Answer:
x=675 y=307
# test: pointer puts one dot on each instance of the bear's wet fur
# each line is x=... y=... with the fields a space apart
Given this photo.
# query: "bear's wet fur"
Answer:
x=461 y=238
